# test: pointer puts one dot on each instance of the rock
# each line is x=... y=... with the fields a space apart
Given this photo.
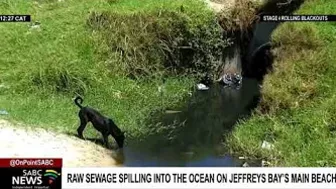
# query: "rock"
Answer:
x=266 y=145
x=202 y=87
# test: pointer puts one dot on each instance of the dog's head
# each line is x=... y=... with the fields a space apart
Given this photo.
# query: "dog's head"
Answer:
x=119 y=135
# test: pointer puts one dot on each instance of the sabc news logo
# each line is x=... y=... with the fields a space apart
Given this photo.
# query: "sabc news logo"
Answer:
x=52 y=175
x=35 y=177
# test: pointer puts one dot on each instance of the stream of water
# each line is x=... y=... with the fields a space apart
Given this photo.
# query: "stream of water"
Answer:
x=197 y=142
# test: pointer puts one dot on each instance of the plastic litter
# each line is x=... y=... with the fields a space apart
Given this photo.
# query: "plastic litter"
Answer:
x=231 y=79
x=202 y=87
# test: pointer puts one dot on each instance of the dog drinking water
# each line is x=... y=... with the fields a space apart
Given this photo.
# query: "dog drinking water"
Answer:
x=103 y=124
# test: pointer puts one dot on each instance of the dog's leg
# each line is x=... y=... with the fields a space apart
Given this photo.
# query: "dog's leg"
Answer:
x=115 y=138
x=105 y=139
x=83 y=123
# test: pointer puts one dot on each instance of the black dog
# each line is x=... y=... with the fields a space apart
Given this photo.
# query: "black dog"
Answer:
x=103 y=124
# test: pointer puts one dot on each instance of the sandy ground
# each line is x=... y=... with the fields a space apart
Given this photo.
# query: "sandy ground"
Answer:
x=28 y=142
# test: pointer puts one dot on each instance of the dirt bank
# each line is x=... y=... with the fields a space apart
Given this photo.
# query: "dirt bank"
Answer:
x=32 y=142
x=225 y=5
x=219 y=5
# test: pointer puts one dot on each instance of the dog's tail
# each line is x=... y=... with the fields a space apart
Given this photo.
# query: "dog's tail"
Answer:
x=79 y=104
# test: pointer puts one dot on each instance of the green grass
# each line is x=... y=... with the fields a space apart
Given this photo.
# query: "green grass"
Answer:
x=42 y=69
x=297 y=111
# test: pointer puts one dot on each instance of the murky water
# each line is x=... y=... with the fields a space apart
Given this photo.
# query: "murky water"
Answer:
x=193 y=136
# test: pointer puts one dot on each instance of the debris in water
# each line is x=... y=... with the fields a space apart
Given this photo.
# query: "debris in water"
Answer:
x=266 y=145
x=231 y=79
x=202 y=87
x=189 y=153
x=242 y=157
x=3 y=112
x=245 y=164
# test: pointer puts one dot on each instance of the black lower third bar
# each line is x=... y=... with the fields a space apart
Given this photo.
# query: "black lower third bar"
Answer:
x=15 y=18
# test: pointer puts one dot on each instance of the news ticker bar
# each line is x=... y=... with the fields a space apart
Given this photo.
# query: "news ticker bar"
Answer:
x=194 y=177
x=48 y=173
x=297 y=18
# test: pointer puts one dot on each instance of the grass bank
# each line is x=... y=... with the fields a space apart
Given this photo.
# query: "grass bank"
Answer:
x=297 y=111
x=114 y=53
